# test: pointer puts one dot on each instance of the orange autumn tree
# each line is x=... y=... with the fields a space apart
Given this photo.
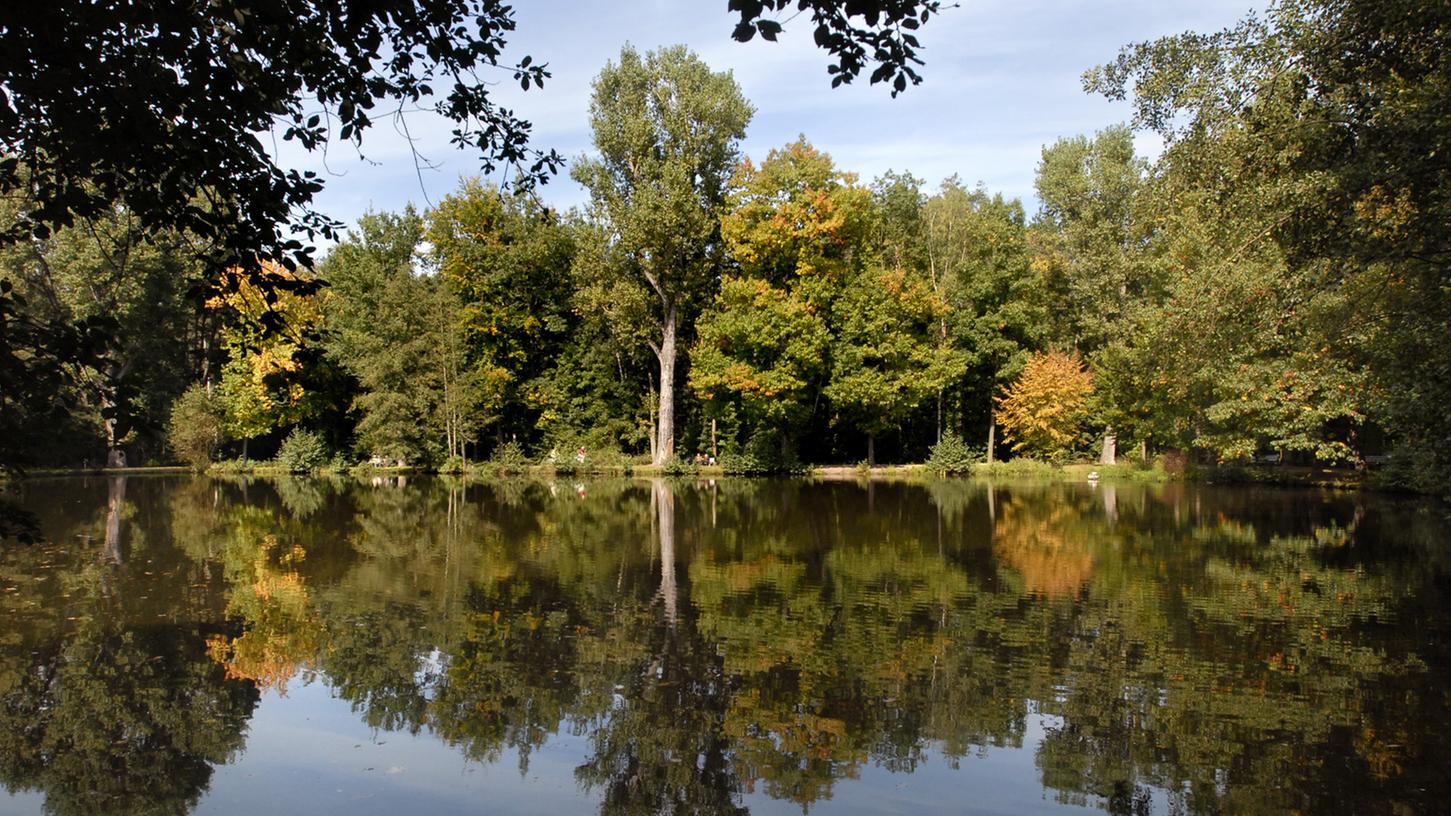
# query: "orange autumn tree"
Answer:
x=1042 y=411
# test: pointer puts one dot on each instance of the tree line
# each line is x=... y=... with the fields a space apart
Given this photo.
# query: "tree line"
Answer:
x=1271 y=284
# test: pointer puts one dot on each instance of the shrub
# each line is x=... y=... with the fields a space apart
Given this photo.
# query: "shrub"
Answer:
x=675 y=466
x=761 y=455
x=953 y=455
x=509 y=458
x=303 y=451
x=195 y=429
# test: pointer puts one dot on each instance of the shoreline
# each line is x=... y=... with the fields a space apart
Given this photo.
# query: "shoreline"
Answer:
x=1016 y=469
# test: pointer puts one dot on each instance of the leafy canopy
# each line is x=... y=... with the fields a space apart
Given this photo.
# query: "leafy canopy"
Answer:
x=1042 y=411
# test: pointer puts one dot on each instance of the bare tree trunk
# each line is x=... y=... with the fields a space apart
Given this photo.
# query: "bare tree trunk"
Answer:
x=665 y=507
x=115 y=456
x=992 y=437
x=871 y=450
x=939 y=416
x=207 y=362
x=1109 y=455
x=665 y=435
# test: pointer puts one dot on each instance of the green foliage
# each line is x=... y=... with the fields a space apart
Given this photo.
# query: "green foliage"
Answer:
x=765 y=453
x=884 y=361
x=796 y=221
x=195 y=430
x=667 y=129
x=507 y=259
x=976 y=252
x=509 y=458
x=761 y=346
x=1088 y=237
x=401 y=335
x=1297 y=232
x=675 y=466
x=251 y=408
x=303 y=451
x=952 y=455
x=1273 y=282
x=123 y=287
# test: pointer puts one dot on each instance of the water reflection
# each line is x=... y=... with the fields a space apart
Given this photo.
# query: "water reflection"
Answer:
x=1166 y=648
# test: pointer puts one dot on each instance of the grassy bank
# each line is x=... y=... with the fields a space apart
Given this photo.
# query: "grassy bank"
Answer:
x=1015 y=469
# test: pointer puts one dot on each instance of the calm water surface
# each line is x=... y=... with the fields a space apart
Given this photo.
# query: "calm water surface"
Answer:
x=426 y=646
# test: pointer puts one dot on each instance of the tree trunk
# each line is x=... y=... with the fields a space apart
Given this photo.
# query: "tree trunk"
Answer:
x=871 y=450
x=665 y=506
x=665 y=435
x=1144 y=449
x=115 y=456
x=1109 y=455
x=939 y=416
x=207 y=363
x=992 y=438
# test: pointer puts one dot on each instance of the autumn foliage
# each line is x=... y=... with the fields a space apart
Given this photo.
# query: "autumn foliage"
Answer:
x=1042 y=411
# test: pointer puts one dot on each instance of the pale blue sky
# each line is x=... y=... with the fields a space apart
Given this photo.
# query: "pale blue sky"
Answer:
x=1002 y=79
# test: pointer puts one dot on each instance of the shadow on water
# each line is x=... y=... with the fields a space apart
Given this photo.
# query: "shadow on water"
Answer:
x=703 y=646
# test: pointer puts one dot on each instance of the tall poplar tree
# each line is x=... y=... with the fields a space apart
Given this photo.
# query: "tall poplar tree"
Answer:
x=666 y=130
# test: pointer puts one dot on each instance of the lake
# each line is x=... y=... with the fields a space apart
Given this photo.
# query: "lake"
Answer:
x=423 y=645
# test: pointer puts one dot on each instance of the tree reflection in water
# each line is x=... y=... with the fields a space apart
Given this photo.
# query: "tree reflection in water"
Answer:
x=1203 y=650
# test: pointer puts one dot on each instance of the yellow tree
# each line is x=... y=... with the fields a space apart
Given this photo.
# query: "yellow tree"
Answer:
x=269 y=318
x=1042 y=411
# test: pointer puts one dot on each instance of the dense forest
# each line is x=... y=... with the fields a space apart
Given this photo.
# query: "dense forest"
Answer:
x=1273 y=284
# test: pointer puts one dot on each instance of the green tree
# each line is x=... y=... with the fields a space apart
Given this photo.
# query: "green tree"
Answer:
x=508 y=261
x=796 y=221
x=764 y=347
x=250 y=409
x=108 y=270
x=978 y=261
x=1302 y=144
x=1089 y=242
x=196 y=427
x=897 y=225
x=188 y=160
x=885 y=361
x=666 y=130
x=401 y=335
